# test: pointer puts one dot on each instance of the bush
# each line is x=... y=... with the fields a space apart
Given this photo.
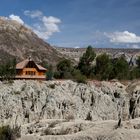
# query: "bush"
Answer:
x=89 y=117
x=134 y=73
x=138 y=61
x=64 y=68
x=52 y=86
x=121 y=68
x=17 y=92
x=8 y=70
x=57 y=74
x=49 y=73
x=52 y=125
x=103 y=67
x=79 y=78
x=48 y=131
x=6 y=133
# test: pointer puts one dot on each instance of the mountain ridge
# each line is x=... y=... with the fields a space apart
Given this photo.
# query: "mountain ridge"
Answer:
x=17 y=40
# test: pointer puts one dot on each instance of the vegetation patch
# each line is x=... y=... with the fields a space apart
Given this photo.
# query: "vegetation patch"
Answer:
x=7 y=133
x=52 y=86
x=52 y=125
x=101 y=67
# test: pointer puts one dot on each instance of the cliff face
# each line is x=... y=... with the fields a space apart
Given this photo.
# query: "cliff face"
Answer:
x=24 y=103
x=19 y=41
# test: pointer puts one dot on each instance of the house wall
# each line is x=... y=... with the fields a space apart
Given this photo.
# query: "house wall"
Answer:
x=26 y=71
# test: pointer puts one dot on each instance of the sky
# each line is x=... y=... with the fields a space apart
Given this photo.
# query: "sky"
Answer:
x=79 y=23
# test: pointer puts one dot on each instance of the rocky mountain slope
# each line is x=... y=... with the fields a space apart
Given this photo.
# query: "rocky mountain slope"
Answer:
x=46 y=110
x=18 y=41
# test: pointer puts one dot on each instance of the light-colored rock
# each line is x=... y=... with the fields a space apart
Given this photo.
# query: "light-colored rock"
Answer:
x=35 y=105
x=29 y=101
x=87 y=130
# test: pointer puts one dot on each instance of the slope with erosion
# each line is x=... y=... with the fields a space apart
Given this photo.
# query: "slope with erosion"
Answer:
x=48 y=109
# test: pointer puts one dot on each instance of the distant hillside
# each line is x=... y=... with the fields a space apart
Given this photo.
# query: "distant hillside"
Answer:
x=76 y=53
x=18 y=41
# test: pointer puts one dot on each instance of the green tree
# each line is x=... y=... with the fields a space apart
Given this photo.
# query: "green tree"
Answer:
x=138 y=62
x=85 y=63
x=135 y=71
x=8 y=70
x=103 y=67
x=64 y=68
x=8 y=133
x=49 y=73
x=121 y=68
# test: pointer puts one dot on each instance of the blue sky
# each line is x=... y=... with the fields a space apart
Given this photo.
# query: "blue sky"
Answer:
x=79 y=23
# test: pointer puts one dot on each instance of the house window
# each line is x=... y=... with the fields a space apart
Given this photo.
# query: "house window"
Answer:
x=30 y=72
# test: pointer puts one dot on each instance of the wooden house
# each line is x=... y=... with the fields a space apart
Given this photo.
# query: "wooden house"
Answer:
x=28 y=69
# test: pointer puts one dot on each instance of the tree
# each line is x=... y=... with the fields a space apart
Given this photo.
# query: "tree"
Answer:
x=138 y=62
x=49 y=73
x=103 y=67
x=121 y=68
x=8 y=70
x=135 y=71
x=85 y=63
x=64 y=68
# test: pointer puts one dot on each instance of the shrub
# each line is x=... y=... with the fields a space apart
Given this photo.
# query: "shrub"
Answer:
x=64 y=68
x=121 y=68
x=138 y=61
x=8 y=70
x=89 y=117
x=17 y=92
x=134 y=73
x=48 y=131
x=10 y=81
x=57 y=74
x=103 y=67
x=6 y=133
x=53 y=124
x=52 y=86
x=49 y=73
x=78 y=77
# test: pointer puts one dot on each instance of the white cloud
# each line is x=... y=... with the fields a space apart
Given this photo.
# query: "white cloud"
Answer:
x=51 y=19
x=33 y=14
x=16 y=18
x=76 y=47
x=45 y=26
x=123 y=37
x=51 y=24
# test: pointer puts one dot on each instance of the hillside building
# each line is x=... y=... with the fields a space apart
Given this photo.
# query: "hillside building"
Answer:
x=28 y=69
